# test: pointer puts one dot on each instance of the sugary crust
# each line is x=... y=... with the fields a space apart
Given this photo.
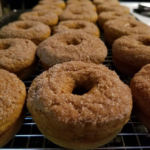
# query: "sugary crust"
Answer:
x=91 y=117
x=49 y=19
x=32 y=30
x=77 y=25
x=59 y=3
x=48 y=8
x=115 y=29
x=16 y=54
x=110 y=2
x=79 y=14
x=112 y=7
x=112 y=15
x=69 y=46
x=141 y=94
x=12 y=99
x=85 y=5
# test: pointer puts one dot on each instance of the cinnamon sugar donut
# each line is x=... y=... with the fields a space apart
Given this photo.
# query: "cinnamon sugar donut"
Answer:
x=112 y=15
x=32 y=30
x=48 y=8
x=87 y=103
x=69 y=46
x=58 y=3
x=12 y=100
x=77 y=25
x=108 y=2
x=113 y=7
x=79 y=14
x=18 y=56
x=140 y=88
x=115 y=29
x=131 y=53
x=47 y=18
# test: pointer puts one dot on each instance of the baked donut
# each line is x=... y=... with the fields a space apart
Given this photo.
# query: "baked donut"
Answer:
x=112 y=15
x=12 y=95
x=141 y=98
x=131 y=53
x=77 y=25
x=32 y=30
x=79 y=14
x=81 y=5
x=113 y=7
x=71 y=46
x=58 y=3
x=87 y=103
x=18 y=56
x=48 y=8
x=115 y=29
x=49 y=19
x=109 y=2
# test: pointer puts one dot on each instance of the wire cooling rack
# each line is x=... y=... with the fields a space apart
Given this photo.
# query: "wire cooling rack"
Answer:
x=134 y=135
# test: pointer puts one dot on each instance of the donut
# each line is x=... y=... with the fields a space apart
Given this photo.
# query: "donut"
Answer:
x=81 y=5
x=71 y=46
x=78 y=1
x=108 y=2
x=32 y=30
x=131 y=53
x=113 y=7
x=48 y=8
x=77 y=25
x=115 y=29
x=12 y=95
x=141 y=98
x=87 y=103
x=18 y=56
x=79 y=14
x=49 y=19
x=58 y=3
x=112 y=15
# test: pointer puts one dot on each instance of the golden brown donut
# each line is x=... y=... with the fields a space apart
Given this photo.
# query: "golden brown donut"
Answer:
x=77 y=25
x=49 y=19
x=32 y=30
x=112 y=15
x=12 y=95
x=140 y=88
x=79 y=14
x=71 y=46
x=115 y=29
x=18 y=56
x=113 y=7
x=48 y=8
x=58 y=3
x=81 y=5
x=87 y=103
x=131 y=53
x=108 y=2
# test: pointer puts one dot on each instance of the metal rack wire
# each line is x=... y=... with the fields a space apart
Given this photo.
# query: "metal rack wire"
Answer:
x=134 y=135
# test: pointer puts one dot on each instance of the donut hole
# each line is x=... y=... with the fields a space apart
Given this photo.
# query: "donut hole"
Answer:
x=74 y=41
x=83 y=86
x=24 y=26
x=4 y=46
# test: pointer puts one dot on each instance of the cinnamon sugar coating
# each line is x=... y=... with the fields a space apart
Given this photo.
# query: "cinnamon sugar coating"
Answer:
x=69 y=46
x=112 y=15
x=131 y=53
x=32 y=30
x=108 y=2
x=115 y=29
x=48 y=18
x=76 y=13
x=12 y=99
x=48 y=8
x=77 y=25
x=141 y=95
x=86 y=120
